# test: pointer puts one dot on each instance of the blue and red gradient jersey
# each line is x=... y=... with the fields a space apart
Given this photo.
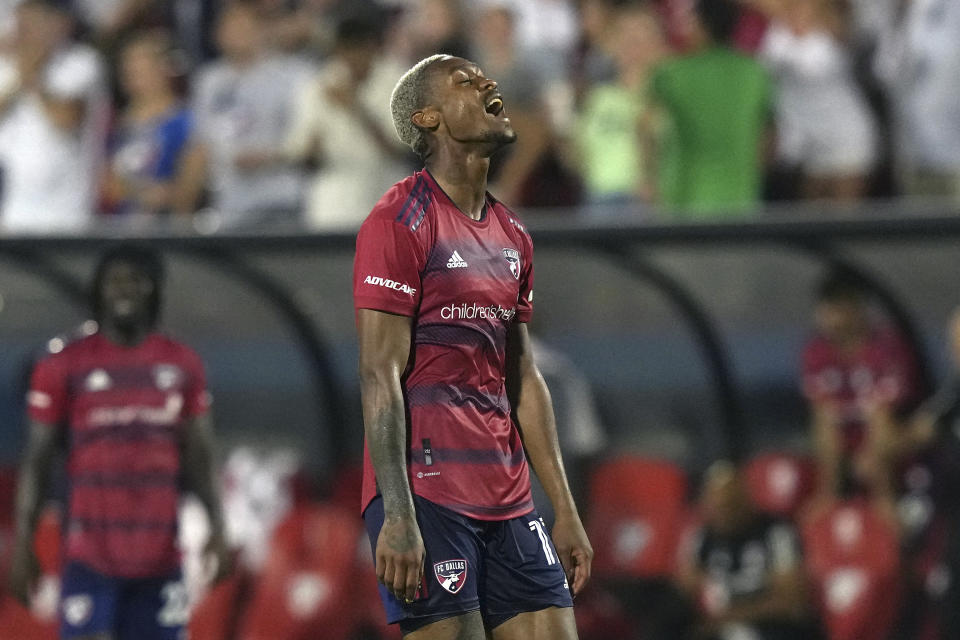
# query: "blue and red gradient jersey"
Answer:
x=463 y=282
x=124 y=410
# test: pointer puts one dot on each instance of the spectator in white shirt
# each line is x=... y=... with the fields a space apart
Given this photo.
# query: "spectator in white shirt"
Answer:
x=343 y=124
x=53 y=116
x=825 y=127
x=242 y=105
x=918 y=58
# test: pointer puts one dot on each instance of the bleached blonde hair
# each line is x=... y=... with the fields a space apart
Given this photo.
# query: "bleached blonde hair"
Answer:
x=408 y=96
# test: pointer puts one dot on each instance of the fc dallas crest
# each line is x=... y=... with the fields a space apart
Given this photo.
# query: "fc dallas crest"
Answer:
x=513 y=257
x=451 y=574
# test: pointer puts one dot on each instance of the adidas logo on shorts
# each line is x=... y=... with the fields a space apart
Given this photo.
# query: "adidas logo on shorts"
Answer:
x=455 y=261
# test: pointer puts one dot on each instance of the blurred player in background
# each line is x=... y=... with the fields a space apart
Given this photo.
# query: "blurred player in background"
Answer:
x=744 y=568
x=452 y=400
x=131 y=408
x=859 y=377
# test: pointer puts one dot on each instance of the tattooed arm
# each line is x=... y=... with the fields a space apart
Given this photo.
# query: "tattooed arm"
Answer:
x=384 y=353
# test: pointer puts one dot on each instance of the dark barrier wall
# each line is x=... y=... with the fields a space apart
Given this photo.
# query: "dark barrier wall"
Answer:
x=689 y=334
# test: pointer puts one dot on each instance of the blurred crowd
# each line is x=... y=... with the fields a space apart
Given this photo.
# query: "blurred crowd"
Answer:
x=229 y=113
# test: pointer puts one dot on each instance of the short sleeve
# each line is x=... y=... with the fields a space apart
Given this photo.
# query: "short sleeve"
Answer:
x=525 y=297
x=74 y=75
x=47 y=397
x=387 y=268
x=197 y=397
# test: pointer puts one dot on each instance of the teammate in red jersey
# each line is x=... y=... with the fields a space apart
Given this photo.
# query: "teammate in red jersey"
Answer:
x=131 y=408
x=453 y=403
x=859 y=378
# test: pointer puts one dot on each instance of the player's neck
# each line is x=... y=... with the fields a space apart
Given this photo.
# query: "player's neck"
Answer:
x=463 y=178
x=125 y=337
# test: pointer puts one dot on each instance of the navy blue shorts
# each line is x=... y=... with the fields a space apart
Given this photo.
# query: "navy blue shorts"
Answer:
x=501 y=568
x=127 y=609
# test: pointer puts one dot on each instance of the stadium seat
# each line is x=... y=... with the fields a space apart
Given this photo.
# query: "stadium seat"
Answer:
x=637 y=513
x=345 y=490
x=780 y=483
x=16 y=621
x=852 y=556
x=216 y=615
x=311 y=579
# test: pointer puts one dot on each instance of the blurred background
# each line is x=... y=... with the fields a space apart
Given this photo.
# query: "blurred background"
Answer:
x=746 y=217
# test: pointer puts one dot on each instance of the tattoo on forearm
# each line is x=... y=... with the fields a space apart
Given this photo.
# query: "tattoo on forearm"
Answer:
x=387 y=441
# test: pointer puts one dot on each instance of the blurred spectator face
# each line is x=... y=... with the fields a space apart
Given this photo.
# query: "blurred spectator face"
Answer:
x=802 y=14
x=145 y=67
x=238 y=33
x=38 y=25
x=358 y=46
x=595 y=16
x=724 y=501
x=495 y=28
x=436 y=20
x=359 y=57
x=841 y=320
x=637 y=39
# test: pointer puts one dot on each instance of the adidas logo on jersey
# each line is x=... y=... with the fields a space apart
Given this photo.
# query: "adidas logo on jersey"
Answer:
x=455 y=261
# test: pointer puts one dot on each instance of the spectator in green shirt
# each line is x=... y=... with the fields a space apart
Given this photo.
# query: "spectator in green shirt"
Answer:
x=718 y=103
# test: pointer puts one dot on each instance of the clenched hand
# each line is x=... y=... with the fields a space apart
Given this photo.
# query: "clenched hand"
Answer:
x=400 y=556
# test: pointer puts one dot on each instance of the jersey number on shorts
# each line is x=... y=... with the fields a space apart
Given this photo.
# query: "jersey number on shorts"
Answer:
x=540 y=528
x=176 y=605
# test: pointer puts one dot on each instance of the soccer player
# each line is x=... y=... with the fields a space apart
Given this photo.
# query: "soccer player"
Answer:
x=859 y=378
x=452 y=401
x=130 y=406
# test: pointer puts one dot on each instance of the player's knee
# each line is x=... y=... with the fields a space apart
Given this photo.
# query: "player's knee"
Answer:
x=468 y=626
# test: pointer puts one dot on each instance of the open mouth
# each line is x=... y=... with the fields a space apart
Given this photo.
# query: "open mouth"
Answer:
x=494 y=106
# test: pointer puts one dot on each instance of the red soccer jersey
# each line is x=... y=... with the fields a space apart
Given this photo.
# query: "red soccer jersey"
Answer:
x=464 y=282
x=124 y=410
x=882 y=371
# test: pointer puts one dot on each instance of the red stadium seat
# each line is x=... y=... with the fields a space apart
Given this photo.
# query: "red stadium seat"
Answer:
x=346 y=489
x=311 y=579
x=637 y=513
x=852 y=556
x=216 y=616
x=17 y=623
x=47 y=540
x=780 y=483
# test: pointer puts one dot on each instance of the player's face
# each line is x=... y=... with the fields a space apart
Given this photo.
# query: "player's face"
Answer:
x=470 y=105
x=840 y=320
x=723 y=497
x=126 y=292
